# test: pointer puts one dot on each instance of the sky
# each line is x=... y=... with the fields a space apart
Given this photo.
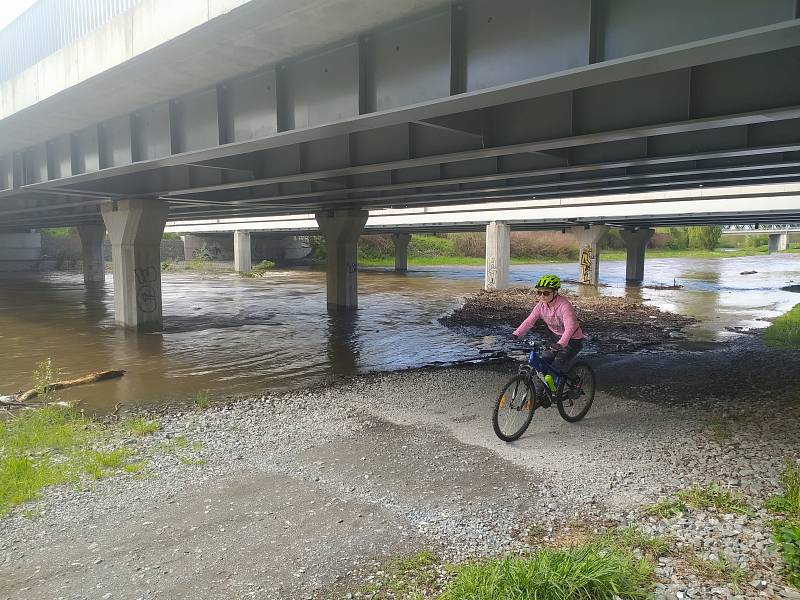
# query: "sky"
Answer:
x=11 y=9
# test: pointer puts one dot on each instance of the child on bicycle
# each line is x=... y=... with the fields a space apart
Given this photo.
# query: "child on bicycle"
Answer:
x=559 y=316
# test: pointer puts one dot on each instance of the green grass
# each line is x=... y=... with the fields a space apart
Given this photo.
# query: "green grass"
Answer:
x=201 y=401
x=589 y=572
x=633 y=538
x=718 y=570
x=786 y=529
x=788 y=503
x=711 y=497
x=141 y=426
x=786 y=536
x=785 y=330
x=49 y=446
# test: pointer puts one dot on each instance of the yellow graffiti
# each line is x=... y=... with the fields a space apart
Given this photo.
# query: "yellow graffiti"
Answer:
x=587 y=252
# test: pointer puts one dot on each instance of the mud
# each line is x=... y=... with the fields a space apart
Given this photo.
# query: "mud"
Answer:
x=612 y=324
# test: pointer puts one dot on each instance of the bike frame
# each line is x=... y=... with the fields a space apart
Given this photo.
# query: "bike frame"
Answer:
x=542 y=368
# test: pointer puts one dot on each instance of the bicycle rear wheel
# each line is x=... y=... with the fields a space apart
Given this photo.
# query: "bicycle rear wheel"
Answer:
x=513 y=410
x=576 y=395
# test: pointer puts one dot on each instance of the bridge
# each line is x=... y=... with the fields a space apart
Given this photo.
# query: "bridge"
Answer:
x=141 y=112
x=778 y=232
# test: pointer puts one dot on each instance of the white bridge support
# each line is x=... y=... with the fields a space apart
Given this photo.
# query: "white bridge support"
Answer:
x=342 y=229
x=242 y=256
x=498 y=255
x=135 y=227
x=778 y=242
x=589 y=252
x=94 y=266
x=401 y=241
x=635 y=247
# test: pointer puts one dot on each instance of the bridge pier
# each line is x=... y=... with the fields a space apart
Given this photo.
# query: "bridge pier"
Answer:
x=342 y=228
x=778 y=242
x=242 y=256
x=589 y=252
x=401 y=241
x=498 y=255
x=20 y=251
x=94 y=266
x=635 y=247
x=135 y=227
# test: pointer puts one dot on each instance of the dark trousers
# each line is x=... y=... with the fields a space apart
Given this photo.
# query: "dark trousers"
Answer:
x=562 y=359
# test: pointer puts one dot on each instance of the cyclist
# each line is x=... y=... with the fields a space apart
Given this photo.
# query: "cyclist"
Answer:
x=559 y=316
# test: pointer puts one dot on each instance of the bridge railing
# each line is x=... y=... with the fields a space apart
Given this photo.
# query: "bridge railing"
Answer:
x=50 y=25
x=761 y=228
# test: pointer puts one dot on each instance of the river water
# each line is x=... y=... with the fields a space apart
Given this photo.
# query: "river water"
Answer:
x=229 y=335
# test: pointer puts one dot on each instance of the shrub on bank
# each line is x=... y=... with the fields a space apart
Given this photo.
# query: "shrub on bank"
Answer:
x=785 y=330
x=544 y=244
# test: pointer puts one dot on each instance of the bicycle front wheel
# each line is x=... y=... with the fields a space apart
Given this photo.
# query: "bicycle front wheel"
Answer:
x=577 y=394
x=513 y=410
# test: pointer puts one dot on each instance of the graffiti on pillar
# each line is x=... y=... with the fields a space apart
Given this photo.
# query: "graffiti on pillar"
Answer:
x=586 y=258
x=352 y=267
x=491 y=274
x=146 y=297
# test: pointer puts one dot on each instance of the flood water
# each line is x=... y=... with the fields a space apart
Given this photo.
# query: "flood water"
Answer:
x=232 y=335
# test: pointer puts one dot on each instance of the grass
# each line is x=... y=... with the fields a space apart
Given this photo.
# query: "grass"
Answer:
x=201 y=401
x=785 y=330
x=49 y=446
x=788 y=503
x=786 y=529
x=633 y=538
x=140 y=426
x=717 y=570
x=711 y=497
x=590 y=572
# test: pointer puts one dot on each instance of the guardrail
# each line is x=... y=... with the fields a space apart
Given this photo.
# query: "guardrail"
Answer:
x=50 y=25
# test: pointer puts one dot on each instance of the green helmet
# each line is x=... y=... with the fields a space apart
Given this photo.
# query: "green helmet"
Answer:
x=548 y=281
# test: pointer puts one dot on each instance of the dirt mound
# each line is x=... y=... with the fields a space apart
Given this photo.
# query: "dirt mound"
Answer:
x=610 y=322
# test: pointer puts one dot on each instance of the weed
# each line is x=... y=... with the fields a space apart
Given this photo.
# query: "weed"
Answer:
x=590 y=572
x=201 y=401
x=788 y=503
x=96 y=462
x=785 y=330
x=718 y=570
x=666 y=508
x=407 y=578
x=141 y=426
x=720 y=430
x=786 y=535
x=713 y=497
x=44 y=374
x=633 y=538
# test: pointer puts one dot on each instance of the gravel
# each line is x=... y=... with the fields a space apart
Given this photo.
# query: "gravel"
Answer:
x=323 y=486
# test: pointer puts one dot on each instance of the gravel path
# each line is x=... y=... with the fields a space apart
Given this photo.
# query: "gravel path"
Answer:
x=303 y=495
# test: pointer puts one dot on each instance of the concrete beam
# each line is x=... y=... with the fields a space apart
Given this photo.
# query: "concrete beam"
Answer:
x=589 y=252
x=135 y=227
x=778 y=242
x=498 y=255
x=342 y=229
x=94 y=266
x=401 y=241
x=242 y=256
x=635 y=246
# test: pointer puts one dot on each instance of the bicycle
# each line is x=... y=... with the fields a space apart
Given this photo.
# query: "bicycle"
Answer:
x=573 y=395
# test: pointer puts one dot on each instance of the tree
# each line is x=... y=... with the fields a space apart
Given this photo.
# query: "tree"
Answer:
x=707 y=236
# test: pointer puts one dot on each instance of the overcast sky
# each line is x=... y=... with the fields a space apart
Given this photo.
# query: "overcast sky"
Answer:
x=11 y=9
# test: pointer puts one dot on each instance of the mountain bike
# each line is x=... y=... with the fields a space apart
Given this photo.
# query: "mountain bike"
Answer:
x=573 y=395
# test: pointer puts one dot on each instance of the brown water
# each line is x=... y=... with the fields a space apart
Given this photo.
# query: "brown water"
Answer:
x=231 y=335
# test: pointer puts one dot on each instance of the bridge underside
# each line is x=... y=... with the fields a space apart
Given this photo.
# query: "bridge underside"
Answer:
x=484 y=102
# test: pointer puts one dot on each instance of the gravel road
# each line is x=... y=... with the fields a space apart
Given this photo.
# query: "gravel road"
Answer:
x=304 y=494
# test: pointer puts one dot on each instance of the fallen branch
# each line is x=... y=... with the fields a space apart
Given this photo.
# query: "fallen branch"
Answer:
x=24 y=398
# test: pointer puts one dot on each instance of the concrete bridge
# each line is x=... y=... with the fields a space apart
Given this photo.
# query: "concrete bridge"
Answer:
x=778 y=232
x=157 y=111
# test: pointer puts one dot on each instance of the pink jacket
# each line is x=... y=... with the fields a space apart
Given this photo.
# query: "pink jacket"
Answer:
x=559 y=317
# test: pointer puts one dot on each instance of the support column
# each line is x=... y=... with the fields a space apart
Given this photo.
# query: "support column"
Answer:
x=498 y=255
x=589 y=252
x=242 y=261
x=401 y=241
x=342 y=229
x=94 y=266
x=635 y=247
x=135 y=227
x=778 y=242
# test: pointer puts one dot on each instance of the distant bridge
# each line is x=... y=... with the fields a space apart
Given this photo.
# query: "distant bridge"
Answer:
x=759 y=228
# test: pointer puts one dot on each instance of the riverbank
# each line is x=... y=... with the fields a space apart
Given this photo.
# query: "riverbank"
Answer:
x=313 y=494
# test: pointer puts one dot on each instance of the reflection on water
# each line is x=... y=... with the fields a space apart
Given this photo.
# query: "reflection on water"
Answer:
x=233 y=335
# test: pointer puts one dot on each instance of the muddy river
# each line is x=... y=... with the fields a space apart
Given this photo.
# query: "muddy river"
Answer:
x=229 y=335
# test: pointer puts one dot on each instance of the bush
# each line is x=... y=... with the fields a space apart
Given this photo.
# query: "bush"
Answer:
x=680 y=238
x=319 y=250
x=375 y=246
x=469 y=244
x=430 y=245
x=785 y=330
x=612 y=240
x=544 y=244
x=660 y=239
x=786 y=536
x=755 y=241
x=706 y=237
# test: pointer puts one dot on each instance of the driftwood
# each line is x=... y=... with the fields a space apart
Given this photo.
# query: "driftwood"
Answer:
x=24 y=398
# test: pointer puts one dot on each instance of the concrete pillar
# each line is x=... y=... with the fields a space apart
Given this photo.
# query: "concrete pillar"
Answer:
x=498 y=255
x=135 y=227
x=20 y=251
x=635 y=246
x=341 y=228
x=94 y=266
x=589 y=252
x=778 y=242
x=401 y=241
x=242 y=262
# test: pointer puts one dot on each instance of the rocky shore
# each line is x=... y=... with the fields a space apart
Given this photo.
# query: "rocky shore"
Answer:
x=311 y=494
x=613 y=323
